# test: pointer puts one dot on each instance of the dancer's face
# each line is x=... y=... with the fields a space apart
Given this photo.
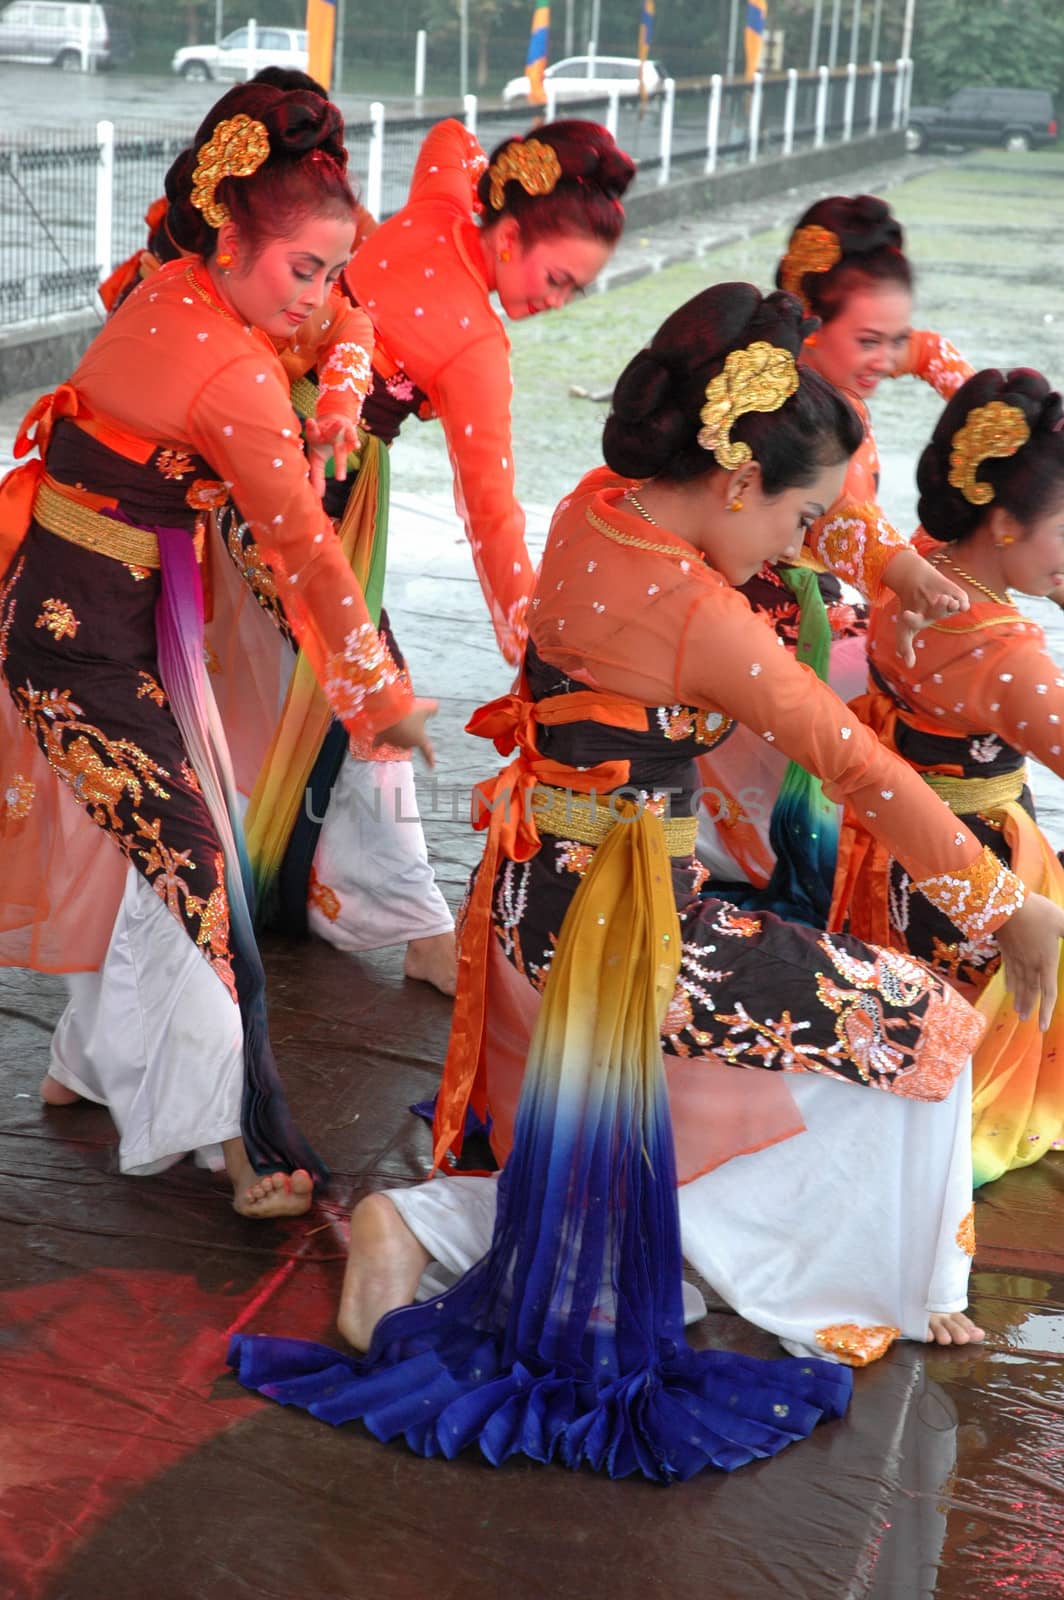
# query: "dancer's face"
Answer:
x=278 y=286
x=546 y=274
x=866 y=341
x=764 y=527
x=1033 y=562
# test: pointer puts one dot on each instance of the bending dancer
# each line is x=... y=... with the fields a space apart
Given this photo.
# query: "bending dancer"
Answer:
x=108 y=715
x=580 y=933
x=534 y=225
x=983 y=694
x=846 y=262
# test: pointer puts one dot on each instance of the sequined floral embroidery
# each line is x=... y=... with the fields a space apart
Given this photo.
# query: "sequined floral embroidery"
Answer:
x=857 y=543
x=685 y=722
x=571 y=856
x=348 y=368
x=854 y=1345
x=100 y=771
x=150 y=689
x=16 y=802
x=319 y=894
x=174 y=463
x=966 y=1232
x=58 y=618
x=206 y=494
x=977 y=898
x=361 y=669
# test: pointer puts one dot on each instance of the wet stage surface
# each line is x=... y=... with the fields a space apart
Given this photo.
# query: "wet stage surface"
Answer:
x=134 y=1466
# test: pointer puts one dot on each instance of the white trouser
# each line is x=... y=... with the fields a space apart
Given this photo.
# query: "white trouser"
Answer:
x=855 y=1220
x=154 y=1036
x=373 y=882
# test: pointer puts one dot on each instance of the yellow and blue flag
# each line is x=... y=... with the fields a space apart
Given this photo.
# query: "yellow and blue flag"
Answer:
x=646 y=34
x=321 y=40
x=755 y=34
x=536 y=59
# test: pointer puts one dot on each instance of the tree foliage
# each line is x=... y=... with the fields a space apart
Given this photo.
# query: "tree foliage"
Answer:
x=1012 y=43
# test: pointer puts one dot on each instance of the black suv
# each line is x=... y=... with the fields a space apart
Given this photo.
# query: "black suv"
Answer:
x=1020 y=119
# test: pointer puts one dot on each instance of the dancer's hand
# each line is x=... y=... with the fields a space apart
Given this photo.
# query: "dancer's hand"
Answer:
x=331 y=436
x=1030 y=946
x=410 y=733
x=924 y=594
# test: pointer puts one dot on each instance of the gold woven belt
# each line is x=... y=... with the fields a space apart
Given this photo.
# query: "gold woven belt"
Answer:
x=964 y=796
x=305 y=397
x=569 y=815
x=79 y=524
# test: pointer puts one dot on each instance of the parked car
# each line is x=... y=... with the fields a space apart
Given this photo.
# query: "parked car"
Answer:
x=1019 y=119
x=230 y=59
x=573 y=78
x=70 y=34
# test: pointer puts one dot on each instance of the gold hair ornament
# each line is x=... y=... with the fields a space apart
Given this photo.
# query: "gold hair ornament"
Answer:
x=531 y=163
x=236 y=149
x=812 y=249
x=758 y=378
x=991 y=432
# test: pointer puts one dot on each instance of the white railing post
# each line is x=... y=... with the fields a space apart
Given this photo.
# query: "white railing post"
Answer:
x=789 y=108
x=716 y=84
x=85 y=51
x=551 y=108
x=253 y=45
x=851 y=94
x=873 y=98
x=375 y=160
x=419 y=68
x=469 y=108
x=907 y=92
x=105 y=197
x=668 y=111
x=613 y=112
x=754 y=140
x=899 y=93
x=822 y=75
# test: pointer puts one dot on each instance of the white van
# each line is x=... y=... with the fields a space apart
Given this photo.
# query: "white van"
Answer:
x=71 y=34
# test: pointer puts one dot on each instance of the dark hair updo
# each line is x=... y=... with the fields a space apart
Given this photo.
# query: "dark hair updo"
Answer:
x=305 y=172
x=871 y=246
x=1025 y=484
x=595 y=172
x=652 y=429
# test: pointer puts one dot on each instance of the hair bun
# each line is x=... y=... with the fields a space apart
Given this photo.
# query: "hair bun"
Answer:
x=642 y=387
x=300 y=122
x=589 y=153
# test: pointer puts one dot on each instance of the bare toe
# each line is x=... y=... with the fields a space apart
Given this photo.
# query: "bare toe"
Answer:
x=54 y=1093
x=277 y=1194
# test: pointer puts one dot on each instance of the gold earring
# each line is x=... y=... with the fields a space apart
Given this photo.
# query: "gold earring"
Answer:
x=1008 y=538
x=225 y=260
x=736 y=504
x=504 y=255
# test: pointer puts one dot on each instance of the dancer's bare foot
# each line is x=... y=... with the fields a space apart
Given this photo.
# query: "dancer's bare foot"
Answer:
x=434 y=961
x=384 y=1264
x=952 y=1327
x=54 y=1093
x=278 y=1194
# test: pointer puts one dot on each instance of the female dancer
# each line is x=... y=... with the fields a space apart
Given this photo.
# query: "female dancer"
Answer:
x=534 y=225
x=107 y=708
x=983 y=694
x=567 y=1337
x=847 y=264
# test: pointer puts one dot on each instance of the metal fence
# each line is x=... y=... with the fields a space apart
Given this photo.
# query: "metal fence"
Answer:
x=72 y=204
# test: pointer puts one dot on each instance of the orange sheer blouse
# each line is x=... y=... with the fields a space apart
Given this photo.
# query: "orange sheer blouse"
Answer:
x=646 y=618
x=422 y=280
x=219 y=389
